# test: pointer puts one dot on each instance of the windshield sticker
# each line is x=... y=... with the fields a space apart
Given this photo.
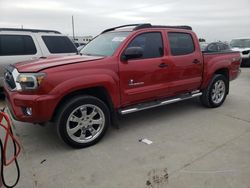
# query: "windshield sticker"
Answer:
x=118 y=39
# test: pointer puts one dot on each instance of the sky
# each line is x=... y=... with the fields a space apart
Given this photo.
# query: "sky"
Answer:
x=211 y=19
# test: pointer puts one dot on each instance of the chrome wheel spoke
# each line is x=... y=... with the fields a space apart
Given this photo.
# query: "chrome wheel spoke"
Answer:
x=217 y=97
x=73 y=118
x=216 y=85
x=72 y=131
x=83 y=135
x=92 y=131
x=97 y=121
x=213 y=97
x=221 y=89
x=93 y=113
x=83 y=112
x=219 y=85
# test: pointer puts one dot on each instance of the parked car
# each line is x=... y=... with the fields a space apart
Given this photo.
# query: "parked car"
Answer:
x=243 y=46
x=29 y=44
x=215 y=47
x=121 y=71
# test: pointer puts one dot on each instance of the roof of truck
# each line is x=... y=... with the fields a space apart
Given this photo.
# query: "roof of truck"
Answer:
x=147 y=25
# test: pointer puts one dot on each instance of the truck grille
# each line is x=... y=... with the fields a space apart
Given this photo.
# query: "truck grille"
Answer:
x=8 y=77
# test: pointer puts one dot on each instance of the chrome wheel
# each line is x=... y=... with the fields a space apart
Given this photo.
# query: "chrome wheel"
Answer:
x=218 y=91
x=85 y=123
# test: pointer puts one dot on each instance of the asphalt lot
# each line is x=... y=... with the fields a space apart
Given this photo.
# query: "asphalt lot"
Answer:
x=192 y=147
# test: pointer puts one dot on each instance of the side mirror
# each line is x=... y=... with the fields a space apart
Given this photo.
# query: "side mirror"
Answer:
x=132 y=53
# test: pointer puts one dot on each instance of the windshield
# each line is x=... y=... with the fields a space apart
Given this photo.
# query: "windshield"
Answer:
x=104 y=44
x=240 y=43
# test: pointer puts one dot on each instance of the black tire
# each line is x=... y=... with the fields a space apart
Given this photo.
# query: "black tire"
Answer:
x=70 y=109
x=207 y=94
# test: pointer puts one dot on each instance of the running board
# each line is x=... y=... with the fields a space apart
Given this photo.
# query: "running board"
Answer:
x=153 y=104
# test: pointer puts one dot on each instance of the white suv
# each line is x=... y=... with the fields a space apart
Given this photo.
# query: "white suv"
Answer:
x=28 y=44
x=243 y=46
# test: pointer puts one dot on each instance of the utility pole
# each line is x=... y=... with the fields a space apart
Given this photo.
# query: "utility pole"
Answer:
x=73 y=27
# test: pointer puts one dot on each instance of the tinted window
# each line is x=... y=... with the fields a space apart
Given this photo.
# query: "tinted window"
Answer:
x=217 y=47
x=240 y=43
x=213 y=47
x=151 y=43
x=16 y=45
x=223 y=46
x=59 y=44
x=181 y=43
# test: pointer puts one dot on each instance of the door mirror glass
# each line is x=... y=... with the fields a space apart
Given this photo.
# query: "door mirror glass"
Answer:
x=132 y=53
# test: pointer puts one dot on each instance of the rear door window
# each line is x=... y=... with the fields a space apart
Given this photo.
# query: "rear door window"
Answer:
x=11 y=45
x=181 y=43
x=59 y=44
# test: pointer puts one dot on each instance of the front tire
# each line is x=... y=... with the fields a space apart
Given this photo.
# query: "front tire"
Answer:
x=83 y=121
x=216 y=92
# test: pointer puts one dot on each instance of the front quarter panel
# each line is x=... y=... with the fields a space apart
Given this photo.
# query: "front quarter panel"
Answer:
x=61 y=81
x=84 y=82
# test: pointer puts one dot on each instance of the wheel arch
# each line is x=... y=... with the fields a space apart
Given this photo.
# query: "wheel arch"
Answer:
x=209 y=76
x=99 y=92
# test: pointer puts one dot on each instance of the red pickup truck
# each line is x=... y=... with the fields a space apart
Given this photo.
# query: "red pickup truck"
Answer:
x=123 y=70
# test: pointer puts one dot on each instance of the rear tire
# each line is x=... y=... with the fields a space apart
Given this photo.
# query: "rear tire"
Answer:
x=83 y=121
x=216 y=92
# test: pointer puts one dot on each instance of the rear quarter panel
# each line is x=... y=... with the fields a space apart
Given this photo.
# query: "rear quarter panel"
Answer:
x=216 y=61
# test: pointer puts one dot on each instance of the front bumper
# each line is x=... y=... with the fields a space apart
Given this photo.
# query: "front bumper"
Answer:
x=42 y=106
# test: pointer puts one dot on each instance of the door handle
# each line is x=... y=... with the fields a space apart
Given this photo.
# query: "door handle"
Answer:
x=162 y=65
x=196 y=61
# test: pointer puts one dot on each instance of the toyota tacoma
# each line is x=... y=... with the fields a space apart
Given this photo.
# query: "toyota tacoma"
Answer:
x=123 y=70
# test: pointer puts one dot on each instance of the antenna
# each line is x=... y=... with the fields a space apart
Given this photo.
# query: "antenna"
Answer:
x=73 y=27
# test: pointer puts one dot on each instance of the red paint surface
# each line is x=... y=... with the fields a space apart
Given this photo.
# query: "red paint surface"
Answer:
x=65 y=75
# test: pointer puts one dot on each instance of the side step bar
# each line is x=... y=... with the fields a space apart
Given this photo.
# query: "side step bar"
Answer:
x=153 y=104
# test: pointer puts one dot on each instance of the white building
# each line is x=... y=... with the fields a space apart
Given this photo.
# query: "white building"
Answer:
x=81 y=40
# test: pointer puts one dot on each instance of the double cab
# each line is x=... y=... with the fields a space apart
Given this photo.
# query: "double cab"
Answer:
x=123 y=70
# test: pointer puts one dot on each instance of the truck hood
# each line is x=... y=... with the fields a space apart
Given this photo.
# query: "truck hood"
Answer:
x=44 y=63
x=240 y=49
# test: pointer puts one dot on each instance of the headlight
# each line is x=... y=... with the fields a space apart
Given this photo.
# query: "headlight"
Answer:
x=30 y=81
